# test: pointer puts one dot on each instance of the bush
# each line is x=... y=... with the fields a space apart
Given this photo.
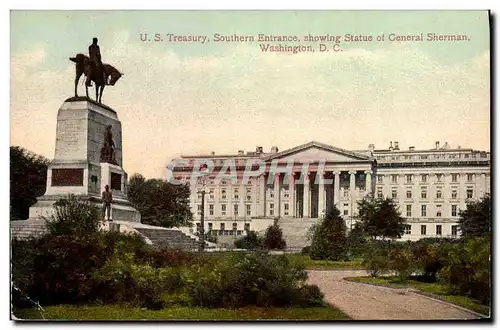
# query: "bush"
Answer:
x=356 y=241
x=166 y=257
x=329 y=240
x=255 y=279
x=73 y=216
x=467 y=269
x=402 y=262
x=306 y=250
x=251 y=241
x=376 y=259
x=273 y=239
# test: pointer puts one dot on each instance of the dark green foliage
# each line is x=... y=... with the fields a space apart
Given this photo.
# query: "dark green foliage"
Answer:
x=255 y=279
x=161 y=203
x=380 y=218
x=73 y=216
x=329 y=240
x=468 y=269
x=356 y=241
x=475 y=220
x=28 y=180
x=273 y=240
x=251 y=241
x=306 y=250
x=376 y=258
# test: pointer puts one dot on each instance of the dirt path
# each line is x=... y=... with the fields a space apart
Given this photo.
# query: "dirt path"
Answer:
x=368 y=302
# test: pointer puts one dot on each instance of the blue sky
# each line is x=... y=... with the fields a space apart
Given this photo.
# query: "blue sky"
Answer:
x=189 y=98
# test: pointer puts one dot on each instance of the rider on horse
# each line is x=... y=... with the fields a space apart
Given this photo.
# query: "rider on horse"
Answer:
x=95 y=61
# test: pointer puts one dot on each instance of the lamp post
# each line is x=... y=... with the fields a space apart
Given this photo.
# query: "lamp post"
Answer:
x=202 y=193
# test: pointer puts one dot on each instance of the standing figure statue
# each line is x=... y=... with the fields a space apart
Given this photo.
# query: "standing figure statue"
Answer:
x=107 y=198
x=95 y=61
x=108 y=150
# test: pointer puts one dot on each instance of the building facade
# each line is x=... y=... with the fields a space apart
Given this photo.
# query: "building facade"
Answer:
x=252 y=190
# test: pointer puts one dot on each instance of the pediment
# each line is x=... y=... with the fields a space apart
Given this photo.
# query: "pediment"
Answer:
x=318 y=151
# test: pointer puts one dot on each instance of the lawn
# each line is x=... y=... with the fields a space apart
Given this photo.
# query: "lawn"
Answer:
x=324 y=264
x=97 y=313
x=436 y=290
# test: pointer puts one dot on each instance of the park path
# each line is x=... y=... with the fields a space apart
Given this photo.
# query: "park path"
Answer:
x=368 y=302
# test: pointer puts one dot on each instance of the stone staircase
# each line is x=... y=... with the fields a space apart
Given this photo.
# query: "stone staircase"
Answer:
x=171 y=238
x=295 y=231
x=24 y=229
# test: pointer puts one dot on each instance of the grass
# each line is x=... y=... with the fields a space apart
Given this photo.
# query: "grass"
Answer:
x=437 y=290
x=324 y=264
x=97 y=313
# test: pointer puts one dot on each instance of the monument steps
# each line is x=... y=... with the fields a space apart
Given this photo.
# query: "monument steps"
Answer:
x=22 y=229
x=295 y=231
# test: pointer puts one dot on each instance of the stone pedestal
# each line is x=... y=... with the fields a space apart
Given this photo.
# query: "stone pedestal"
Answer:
x=77 y=167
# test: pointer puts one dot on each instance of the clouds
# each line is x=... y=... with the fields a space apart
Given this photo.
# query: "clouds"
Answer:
x=172 y=103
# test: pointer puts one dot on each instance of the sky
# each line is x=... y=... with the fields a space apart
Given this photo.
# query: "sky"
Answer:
x=196 y=98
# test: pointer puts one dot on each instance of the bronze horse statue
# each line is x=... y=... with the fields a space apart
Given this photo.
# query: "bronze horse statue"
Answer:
x=102 y=76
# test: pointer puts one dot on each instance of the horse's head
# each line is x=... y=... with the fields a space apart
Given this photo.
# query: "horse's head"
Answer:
x=114 y=76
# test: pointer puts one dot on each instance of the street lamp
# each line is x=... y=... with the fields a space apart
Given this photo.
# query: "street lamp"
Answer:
x=202 y=193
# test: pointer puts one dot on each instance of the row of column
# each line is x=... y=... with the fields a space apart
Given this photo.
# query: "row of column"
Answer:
x=307 y=192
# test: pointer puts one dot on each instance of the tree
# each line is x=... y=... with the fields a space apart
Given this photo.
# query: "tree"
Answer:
x=356 y=241
x=28 y=180
x=475 y=220
x=273 y=239
x=380 y=218
x=161 y=203
x=329 y=240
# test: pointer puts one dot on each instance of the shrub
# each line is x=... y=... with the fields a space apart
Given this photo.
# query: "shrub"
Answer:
x=306 y=250
x=166 y=257
x=467 y=269
x=329 y=240
x=402 y=262
x=356 y=241
x=255 y=279
x=273 y=239
x=376 y=259
x=251 y=241
x=73 y=216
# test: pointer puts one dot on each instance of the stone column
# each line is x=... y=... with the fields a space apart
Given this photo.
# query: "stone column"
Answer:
x=336 y=189
x=307 y=196
x=277 y=195
x=321 y=194
x=291 y=191
x=262 y=195
x=352 y=194
x=368 y=182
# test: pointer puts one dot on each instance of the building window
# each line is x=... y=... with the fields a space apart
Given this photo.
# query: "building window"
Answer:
x=439 y=194
x=223 y=209
x=394 y=194
x=424 y=194
x=470 y=177
x=454 y=210
x=346 y=193
x=223 y=194
x=439 y=230
x=249 y=209
x=249 y=191
x=453 y=194
x=408 y=194
x=423 y=230
x=271 y=209
x=222 y=226
x=211 y=209
x=380 y=178
x=470 y=193
x=407 y=229
x=408 y=210
x=423 y=210
x=439 y=177
x=210 y=226
x=379 y=192
x=408 y=178
x=235 y=227
x=438 y=210
x=236 y=194
x=199 y=209
x=249 y=198
x=423 y=177
x=247 y=226
x=454 y=230
x=235 y=209
x=271 y=193
x=394 y=178
x=286 y=208
x=286 y=194
x=346 y=211
x=454 y=178
x=198 y=227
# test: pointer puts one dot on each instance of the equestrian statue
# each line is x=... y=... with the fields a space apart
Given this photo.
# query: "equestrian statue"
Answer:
x=95 y=71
